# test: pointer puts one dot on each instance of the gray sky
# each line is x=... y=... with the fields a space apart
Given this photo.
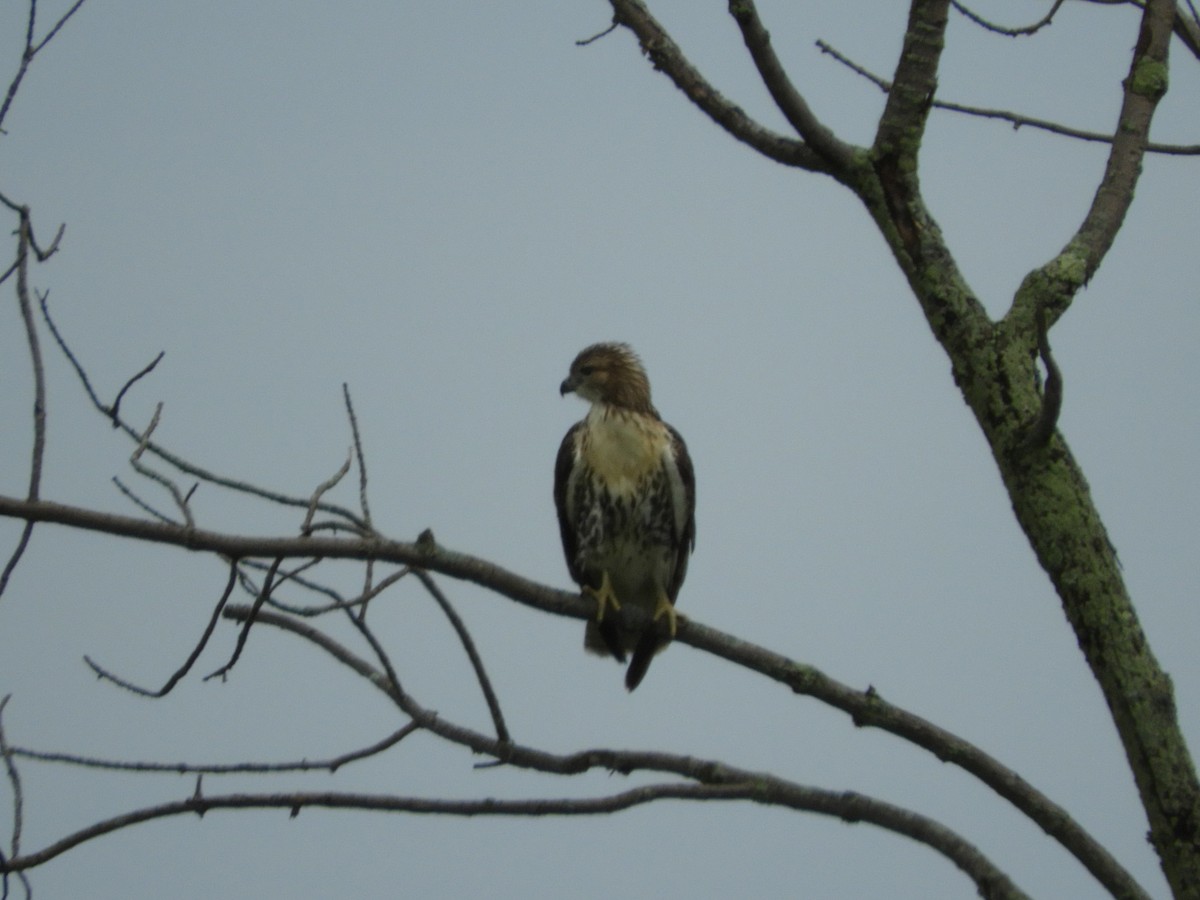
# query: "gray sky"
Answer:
x=440 y=204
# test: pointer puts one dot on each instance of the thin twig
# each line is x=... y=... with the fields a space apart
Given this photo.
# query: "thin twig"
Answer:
x=268 y=586
x=14 y=781
x=114 y=411
x=595 y=37
x=360 y=456
x=1017 y=120
x=468 y=643
x=322 y=488
x=303 y=765
x=1022 y=31
x=140 y=503
x=31 y=50
x=192 y=657
x=38 y=452
x=180 y=463
x=146 y=471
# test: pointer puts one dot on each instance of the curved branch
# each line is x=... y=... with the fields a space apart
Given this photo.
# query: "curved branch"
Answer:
x=32 y=48
x=990 y=880
x=354 y=521
x=866 y=708
x=192 y=657
x=791 y=103
x=468 y=644
x=304 y=765
x=665 y=55
x=25 y=245
x=1022 y=31
x=1055 y=284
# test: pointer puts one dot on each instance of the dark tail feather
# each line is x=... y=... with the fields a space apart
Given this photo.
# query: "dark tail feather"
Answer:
x=605 y=638
x=648 y=645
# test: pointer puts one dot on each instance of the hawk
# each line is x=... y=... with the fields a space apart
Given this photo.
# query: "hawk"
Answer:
x=626 y=498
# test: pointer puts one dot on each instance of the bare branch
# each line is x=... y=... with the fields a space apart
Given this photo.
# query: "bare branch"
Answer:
x=268 y=584
x=360 y=456
x=583 y=42
x=192 y=657
x=849 y=806
x=664 y=54
x=304 y=765
x=115 y=410
x=1018 y=120
x=38 y=452
x=464 y=637
x=867 y=709
x=329 y=483
x=791 y=103
x=182 y=464
x=14 y=781
x=32 y=48
x=1022 y=31
x=135 y=460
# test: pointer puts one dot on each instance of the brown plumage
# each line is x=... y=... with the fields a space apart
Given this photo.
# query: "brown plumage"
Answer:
x=625 y=493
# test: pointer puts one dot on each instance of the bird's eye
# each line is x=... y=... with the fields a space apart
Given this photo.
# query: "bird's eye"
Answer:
x=586 y=370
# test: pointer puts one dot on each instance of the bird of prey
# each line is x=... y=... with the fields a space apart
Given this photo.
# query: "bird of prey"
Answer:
x=626 y=498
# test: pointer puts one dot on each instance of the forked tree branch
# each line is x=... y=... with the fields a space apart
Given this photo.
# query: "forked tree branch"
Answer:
x=866 y=708
x=837 y=154
x=665 y=55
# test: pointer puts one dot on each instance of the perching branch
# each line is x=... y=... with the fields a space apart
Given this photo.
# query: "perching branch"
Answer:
x=866 y=708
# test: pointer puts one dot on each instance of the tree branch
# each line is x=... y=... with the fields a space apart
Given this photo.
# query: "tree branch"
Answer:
x=989 y=880
x=791 y=103
x=902 y=124
x=25 y=244
x=1018 y=120
x=1055 y=284
x=664 y=54
x=866 y=708
x=304 y=765
x=1022 y=31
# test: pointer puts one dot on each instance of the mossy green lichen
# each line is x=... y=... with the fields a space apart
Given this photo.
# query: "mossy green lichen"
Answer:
x=1149 y=78
x=1071 y=269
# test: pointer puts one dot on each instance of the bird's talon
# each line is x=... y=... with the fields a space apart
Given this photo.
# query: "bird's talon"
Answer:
x=666 y=608
x=605 y=597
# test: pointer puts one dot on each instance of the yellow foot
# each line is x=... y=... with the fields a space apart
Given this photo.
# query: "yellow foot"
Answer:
x=666 y=608
x=605 y=597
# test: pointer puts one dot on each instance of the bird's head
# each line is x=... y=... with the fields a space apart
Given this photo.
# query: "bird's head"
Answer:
x=611 y=374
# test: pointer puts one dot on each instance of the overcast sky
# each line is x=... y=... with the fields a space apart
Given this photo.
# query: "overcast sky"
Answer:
x=439 y=205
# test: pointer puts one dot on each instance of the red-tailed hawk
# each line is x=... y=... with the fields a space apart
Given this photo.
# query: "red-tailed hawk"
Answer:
x=626 y=498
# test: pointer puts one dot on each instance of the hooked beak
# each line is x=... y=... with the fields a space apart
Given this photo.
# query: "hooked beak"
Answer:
x=568 y=386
